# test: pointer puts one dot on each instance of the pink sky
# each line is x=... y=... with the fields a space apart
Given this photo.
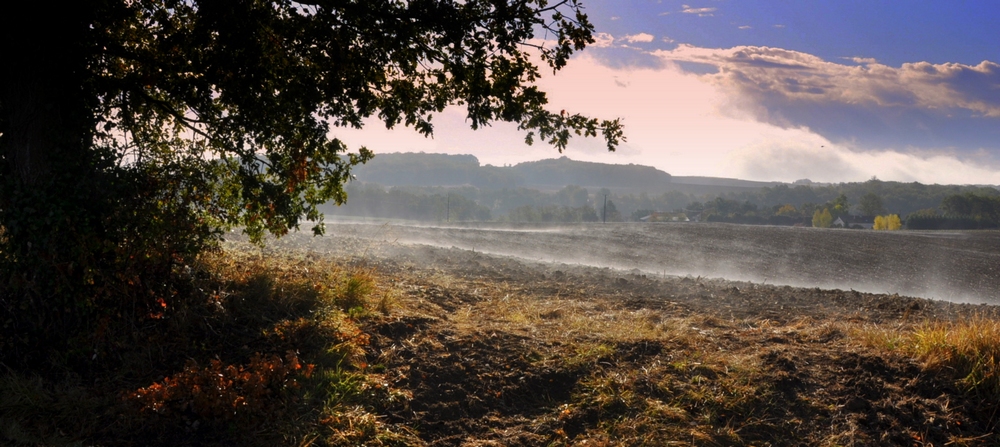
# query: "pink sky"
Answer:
x=740 y=121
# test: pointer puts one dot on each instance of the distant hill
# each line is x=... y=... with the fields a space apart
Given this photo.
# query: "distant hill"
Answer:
x=718 y=181
x=422 y=169
x=559 y=172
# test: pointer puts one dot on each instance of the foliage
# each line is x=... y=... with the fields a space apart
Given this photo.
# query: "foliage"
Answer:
x=870 y=205
x=433 y=204
x=787 y=210
x=220 y=392
x=985 y=210
x=261 y=355
x=138 y=130
x=903 y=198
x=822 y=219
x=893 y=223
x=926 y=222
x=880 y=223
x=610 y=213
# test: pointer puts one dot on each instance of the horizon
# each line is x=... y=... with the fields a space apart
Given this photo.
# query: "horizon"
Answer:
x=802 y=181
x=827 y=91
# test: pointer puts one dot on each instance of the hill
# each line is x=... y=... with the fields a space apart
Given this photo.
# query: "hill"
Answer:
x=423 y=169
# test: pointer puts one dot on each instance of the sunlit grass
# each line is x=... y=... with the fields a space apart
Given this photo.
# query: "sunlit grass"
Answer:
x=967 y=349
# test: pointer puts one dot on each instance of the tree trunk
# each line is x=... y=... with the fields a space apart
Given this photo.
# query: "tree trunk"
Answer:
x=43 y=113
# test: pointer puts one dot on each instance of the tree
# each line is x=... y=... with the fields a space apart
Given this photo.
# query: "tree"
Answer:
x=841 y=206
x=890 y=222
x=871 y=205
x=611 y=213
x=786 y=210
x=880 y=223
x=822 y=219
x=133 y=133
x=893 y=223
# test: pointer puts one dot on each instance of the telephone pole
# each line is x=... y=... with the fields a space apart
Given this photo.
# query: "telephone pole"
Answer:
x=604 y=214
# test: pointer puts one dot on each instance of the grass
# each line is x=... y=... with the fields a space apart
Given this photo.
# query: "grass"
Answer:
x=274 y=350
x=265 y=351
x=967 y=350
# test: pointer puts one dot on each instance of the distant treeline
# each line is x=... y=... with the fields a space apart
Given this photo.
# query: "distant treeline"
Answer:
x=371 y=200
x=896 y=197
x=959 y=212
x=438 y=187
x=922 y=206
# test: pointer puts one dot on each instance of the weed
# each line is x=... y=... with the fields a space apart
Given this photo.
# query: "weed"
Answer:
x=970 y=348
x=355 y=292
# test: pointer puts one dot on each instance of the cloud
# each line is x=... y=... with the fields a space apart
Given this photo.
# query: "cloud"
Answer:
x=641 y=37
x=779 y=26
x=615 y=18
x=811 y=156
x=701 y=12
x=871 y=105
x=744 y=27
x=862 y=60
x=603 y=40
x=708 y=124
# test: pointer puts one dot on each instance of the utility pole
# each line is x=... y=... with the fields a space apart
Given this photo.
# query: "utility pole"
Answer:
x=604 y=214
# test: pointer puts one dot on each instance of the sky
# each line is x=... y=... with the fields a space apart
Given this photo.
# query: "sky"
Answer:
x=831 y=91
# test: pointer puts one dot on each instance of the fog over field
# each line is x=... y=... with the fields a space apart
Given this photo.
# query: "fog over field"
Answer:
x=952 y=266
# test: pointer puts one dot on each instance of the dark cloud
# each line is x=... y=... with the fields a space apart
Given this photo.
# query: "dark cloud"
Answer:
x=866 y=105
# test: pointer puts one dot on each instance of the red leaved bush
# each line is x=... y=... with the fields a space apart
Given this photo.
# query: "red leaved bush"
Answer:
x=221 y=391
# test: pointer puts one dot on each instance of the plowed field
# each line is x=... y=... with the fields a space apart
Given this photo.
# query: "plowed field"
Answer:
x=671 y=334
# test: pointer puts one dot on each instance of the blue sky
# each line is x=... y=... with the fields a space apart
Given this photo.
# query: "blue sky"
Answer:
x=771 y=90
x=892 y=32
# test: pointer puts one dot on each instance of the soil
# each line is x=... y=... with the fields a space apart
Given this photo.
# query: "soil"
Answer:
x=475 y=376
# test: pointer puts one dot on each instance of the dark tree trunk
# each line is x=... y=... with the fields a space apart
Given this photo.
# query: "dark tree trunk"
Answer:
x=44 y=110
x=48 y=181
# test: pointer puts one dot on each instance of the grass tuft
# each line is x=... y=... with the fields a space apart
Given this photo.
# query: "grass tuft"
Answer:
x=969 y=348
x=968 y=351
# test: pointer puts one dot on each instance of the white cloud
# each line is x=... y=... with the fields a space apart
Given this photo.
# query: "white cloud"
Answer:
x=778 y=26
x=615 y=18
x=862 y=60
x=783 y=159
x=701 y=12
x=603 y=40
x=666 y=39
x=745 y=27
x=665 y=13
x=641 y=37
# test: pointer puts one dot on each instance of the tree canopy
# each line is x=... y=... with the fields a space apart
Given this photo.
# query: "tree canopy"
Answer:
x=132 y=132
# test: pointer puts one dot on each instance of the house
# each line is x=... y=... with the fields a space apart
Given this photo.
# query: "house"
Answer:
x=856 y=222
x=665 y=217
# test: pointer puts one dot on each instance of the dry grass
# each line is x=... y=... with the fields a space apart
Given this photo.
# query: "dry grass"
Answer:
x=969 y=350
x=277 y=342
x=265 y=350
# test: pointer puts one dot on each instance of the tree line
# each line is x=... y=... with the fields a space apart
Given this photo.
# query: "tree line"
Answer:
x=972 y=207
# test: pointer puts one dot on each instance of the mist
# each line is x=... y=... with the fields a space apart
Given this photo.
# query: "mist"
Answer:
x=961 y=267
